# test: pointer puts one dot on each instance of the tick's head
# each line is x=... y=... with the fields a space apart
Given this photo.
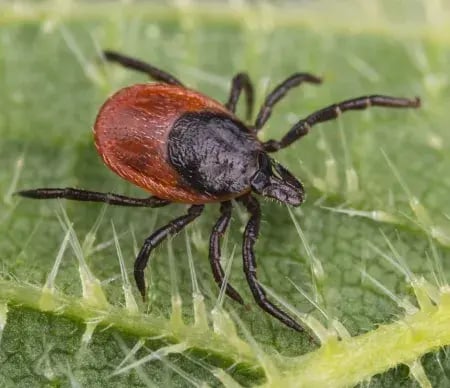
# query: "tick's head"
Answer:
x=274 y=181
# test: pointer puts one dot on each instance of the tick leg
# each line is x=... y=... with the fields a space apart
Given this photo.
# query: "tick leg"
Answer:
x=156 y=238
x=279 y=92
x=92 y=196
x=241 y=82
x=333 y=111
x=214 y=250
x=138 y=65
x=250 y=236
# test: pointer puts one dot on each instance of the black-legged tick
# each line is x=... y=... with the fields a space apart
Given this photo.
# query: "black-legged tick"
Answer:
x=182 y=146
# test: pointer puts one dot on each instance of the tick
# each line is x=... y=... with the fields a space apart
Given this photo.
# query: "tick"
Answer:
x=184 y=147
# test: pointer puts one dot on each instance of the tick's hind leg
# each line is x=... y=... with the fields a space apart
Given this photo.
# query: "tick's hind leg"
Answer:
x=214 y=250
x=333 y=111
x=92 y=196
x=138 y=65
x=250 y=236
x=156 y=238
x=241 y=82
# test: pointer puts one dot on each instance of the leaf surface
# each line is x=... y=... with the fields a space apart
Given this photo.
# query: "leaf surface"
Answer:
x=375 y=222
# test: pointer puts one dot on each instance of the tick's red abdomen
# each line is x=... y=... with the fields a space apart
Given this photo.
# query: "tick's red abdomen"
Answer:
x=131 y=133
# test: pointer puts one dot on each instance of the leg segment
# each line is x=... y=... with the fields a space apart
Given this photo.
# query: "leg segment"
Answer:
x=138 y=65
x=333 y=111
x=250 y=235
x=279 y=92
x=93 y=196
x=156 y=238
x=214 y=250
x=241 y=82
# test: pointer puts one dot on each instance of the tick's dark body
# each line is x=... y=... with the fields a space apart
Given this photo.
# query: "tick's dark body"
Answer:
x=176 y=143
x=214 y=153
x=182 y=146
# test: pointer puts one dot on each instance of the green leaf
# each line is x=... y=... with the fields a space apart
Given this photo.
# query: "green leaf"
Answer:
x=362 y=264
